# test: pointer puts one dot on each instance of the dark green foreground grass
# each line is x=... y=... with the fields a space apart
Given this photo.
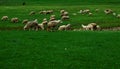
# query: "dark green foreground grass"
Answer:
x=59 y=50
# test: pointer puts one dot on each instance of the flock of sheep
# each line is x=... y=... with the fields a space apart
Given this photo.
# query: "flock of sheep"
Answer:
x=53 y=23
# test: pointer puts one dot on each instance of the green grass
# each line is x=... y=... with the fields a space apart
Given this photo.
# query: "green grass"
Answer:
x=60 y=49
x=99 y=17
x=46 y=50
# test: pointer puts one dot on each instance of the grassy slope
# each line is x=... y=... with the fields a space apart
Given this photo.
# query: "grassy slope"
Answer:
x=99 y=50
x=100 y=18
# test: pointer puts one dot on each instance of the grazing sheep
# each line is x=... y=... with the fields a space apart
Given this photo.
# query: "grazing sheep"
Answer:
x=43 y=24
x=114 y=14
x=62 y=11
x=46 y=12
x=90 y=14
x=65 y=17
x=49 y=12
x=65 y=13
x=86 y=11
x=43 y=12
x=118 y=16
x=14 y=20
x=25 y=21
x=4 y=18
x=64 y=27
x=32 y=13
x=52 y=24
x=91 y=26
x=108 y=11
x=52 y=18
x=96 y=10
x=74 y=14
x=81 y=11
x=31 y=25
x=98 y=27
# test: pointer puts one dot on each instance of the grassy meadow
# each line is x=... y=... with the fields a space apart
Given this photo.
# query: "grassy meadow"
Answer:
x=21 y=49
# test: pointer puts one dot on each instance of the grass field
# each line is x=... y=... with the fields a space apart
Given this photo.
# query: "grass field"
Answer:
x=60 y=49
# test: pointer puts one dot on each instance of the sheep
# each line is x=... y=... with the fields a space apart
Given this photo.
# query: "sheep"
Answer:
x=96 y=10
x=32 y=13
x=91 y=26
x=74 y=14
x=52 y=18
x=43 y=24
x=4 y=18
x=64 y=14
x=81 y=11
x=65 y=17
x=46 y=12
x=64 y=27
x=14 y=20
x=118 y=16
x=108 y=11
x=114 y=14
x=86 y=11
x=62 y=11
x=90 y=14
x=98 y=27
x=49 y=12
x=52 y=24
x=31 y=25
x=25 y=21
x=43 y=12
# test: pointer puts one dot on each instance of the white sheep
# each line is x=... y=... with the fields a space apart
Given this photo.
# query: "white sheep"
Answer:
x=91 y=26
x=62 y=11
x=96 y=10
x=31 y=25
x=118 y=16
x=114 y=14
x=52 y=24
x=90 y=14
x=4 y=18
x=15 y=20
x=65 y=13
x=64 y=27
x=65 y=17
x=43 y=24
x=52 y=18
x=25 y=21
x=108 y=11
x=32 y=13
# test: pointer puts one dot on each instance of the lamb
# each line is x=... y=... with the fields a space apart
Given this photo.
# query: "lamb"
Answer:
x=46 y=12
x=114 y=14
x=52 y=18
x=91 y=26
x=90 y=14
x=31 y=25
x=4 y=18
x=42 y=12
x=52 y=24
x=64 y=27
x=108 y=11
x=118 y=16
x=15 y=20
x=65 y=17
x=64 y=14
x=32 y=13
x=25 y=21
x=43 y=24
x=96 y=10
x=62 y=11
